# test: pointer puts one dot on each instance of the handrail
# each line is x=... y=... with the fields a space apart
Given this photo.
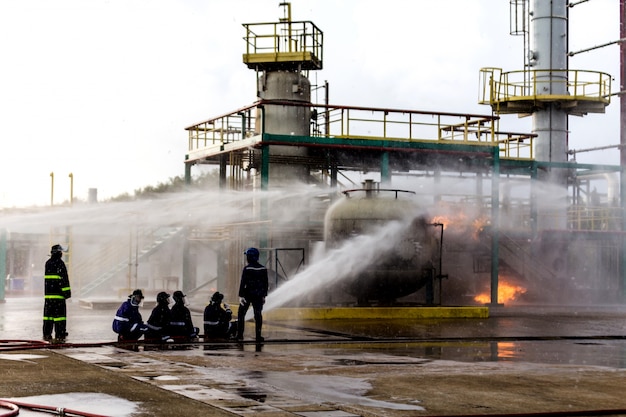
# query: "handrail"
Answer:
x=563 y=84
x=298 y=40
x=367 y=123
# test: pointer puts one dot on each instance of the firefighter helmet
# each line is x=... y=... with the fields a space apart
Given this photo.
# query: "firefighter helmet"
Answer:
x=217 y=297
x=56 y=249
x=252 y=253
x=137 y=293
x=136 y=297
x=178 y=296
x=163 y=297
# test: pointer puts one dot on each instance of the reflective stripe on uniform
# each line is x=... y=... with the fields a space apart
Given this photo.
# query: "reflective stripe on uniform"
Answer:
x=52 y=277
x=177 y=323
x=54 y=297
x=55 y=318
x=256 y=268
x=212 y=323
x=121 y=318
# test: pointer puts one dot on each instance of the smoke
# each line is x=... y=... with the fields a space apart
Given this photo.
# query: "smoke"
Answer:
x=564 y=267
x=560 y=243
x=105 y=236
x=194 y=209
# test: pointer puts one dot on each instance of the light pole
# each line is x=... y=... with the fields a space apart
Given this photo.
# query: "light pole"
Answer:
x=52 y=189
x=71 y=188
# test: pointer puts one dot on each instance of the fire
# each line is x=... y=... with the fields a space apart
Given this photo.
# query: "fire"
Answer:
x=506 y=293
x=460 y=223
x=456 y=221
x=478 y=226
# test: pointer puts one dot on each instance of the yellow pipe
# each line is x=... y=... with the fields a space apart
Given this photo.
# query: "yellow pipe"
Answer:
x=71 y=188
x=52 y=188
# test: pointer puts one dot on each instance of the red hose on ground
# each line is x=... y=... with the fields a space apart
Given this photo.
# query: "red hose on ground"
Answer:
x=8 y=345
x=21 y=344
x=13 y=409
x=35 y=407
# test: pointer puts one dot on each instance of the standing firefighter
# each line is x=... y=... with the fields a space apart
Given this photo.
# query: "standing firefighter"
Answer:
x=56 y=291
x=252 y=290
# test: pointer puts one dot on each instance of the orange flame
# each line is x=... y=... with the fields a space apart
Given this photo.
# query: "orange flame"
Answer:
x=447 y=221
x=460 y=223
x=506 y=293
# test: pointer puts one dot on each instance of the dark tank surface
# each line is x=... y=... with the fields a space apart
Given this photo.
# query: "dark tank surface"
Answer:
x=404 y=264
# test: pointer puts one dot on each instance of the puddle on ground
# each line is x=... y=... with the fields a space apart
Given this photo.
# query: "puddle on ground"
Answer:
x=252 y=394
x=322 y=389
x=158 y=378
x=20 y=357
x=201 y=393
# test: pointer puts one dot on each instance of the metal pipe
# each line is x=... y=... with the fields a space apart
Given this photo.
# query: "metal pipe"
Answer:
x=622 y=135
x=576 y=3
x=596 y=47
x=495 y=225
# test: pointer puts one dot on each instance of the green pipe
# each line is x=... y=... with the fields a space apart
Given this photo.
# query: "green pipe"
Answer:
x=3 y=262
x=385 y=173
x=187 y=172
x=495 y=225
x=622 y=188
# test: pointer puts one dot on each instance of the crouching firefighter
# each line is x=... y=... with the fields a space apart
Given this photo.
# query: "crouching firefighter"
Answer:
x=159 y=321
x=128 y=323
x=217 y=319
x=181 y=325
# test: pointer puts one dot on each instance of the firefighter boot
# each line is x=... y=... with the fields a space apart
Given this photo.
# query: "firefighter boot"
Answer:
x=259 y=338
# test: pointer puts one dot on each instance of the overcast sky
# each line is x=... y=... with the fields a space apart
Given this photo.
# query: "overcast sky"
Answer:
x=103 y=89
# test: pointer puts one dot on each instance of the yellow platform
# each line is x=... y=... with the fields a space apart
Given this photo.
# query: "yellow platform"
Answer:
x=330 y=313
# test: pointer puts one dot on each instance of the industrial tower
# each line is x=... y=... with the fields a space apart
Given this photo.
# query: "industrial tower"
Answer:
x=284 y=138
x=547 y=90
x=282 y=54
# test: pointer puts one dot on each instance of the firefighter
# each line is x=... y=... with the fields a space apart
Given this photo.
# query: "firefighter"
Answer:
x=181 y=325
x=128 y=323
x=217 y=319
x=159 y=321
x=56 y=291
x=252 y=290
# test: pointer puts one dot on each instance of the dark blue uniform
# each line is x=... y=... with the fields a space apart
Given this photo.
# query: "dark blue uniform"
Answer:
x=181 y=326
x=217 y=321
x=128 y=323
x=158 y=323
x=252 y=290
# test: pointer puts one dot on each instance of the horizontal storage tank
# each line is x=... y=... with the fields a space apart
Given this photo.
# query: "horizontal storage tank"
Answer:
x=407 y=264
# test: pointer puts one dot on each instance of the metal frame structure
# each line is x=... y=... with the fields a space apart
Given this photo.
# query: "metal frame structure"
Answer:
x=385 y=140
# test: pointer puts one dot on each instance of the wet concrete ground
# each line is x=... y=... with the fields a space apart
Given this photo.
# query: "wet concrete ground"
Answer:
x=521 y=359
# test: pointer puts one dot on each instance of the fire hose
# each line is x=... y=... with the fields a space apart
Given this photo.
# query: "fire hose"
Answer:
x=14 y=409
x=9 y=345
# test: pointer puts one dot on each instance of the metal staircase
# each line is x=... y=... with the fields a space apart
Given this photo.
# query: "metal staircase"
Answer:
x=519 y=259
x=114 y=259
